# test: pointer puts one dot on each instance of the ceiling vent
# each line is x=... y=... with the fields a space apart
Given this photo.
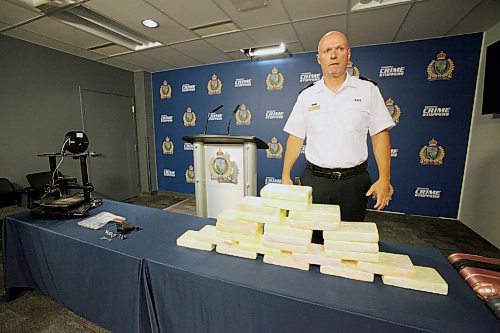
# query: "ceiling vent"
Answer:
x=247 y=5
x=214 y=29
x=373 y=4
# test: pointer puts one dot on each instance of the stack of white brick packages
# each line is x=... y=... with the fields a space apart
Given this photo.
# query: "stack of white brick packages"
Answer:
x=279 y=225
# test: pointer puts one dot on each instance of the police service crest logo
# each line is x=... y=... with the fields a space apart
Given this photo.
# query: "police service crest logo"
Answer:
x=189 y=175
x=393 y=109
x=165 y=90
x=440 y=68
x=243 y=115
x=189 y=117
x=352 y=70
x=221 y=168
x=167 y=146
x=214 y=85
x=432 y=154
x=275 y=80
x=275 y=149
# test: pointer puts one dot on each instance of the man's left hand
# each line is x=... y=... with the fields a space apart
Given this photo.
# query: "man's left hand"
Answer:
x=382 y=190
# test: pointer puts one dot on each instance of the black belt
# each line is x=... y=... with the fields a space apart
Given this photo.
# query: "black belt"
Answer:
x=338 y=172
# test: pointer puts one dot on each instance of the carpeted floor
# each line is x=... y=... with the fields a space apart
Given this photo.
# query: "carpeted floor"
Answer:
x=33 y=312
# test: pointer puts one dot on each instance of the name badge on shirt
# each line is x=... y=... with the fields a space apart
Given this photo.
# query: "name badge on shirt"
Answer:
x=313 y=107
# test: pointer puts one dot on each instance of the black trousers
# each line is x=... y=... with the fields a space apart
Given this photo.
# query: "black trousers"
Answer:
x=348 y=193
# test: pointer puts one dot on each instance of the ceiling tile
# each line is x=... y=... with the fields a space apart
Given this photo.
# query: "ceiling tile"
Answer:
x=273 y=35
x=172 y=57
x=271 y=14
x=294 y=48
x=142 y=60
x=63 y=32
x=13 y=14
x=51 y=43
x=237 y=55
x=314 y=8
x=311 y=31
x=132 y=12
x=192 y=13
x=231 y=42
x=201 y=51
x=3 y=25
x=433 y=18
x=481 y=18
x=123 y=65
x=382 y=24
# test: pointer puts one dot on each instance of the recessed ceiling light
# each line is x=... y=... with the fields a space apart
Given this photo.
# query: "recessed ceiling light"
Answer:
x=150 y=23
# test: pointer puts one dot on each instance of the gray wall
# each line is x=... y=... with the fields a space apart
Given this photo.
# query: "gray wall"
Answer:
x=480 y=201
x=40 y=102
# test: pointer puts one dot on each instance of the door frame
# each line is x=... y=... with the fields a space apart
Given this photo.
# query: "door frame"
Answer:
x=81 y=91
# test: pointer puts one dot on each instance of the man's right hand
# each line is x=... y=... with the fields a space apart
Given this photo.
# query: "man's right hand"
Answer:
x=293 y=148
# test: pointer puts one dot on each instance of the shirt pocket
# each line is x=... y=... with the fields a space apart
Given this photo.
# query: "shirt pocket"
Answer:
x=316 y=121
x=356 y=120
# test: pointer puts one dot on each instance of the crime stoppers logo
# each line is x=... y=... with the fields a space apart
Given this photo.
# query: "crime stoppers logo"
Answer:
x=189 y=175
x=352 y=70
x=431 y=154
x=275 y=80
x=272 y=180
x=188 y=146
x=165 y=90
x=387 y=71
x=243 y=116
x=393 y=109
x=435 y=111
x=186 y=87
x=275 y=149
x=168 y=173
x=425 y=192
x=242 y=82
x=166 y=118
x=214 y=85
x=273 y=114
x=441 y=68
x=394 y=152
x=309 y=77
x=167 y=146
x=189 y=117
x=215 y=116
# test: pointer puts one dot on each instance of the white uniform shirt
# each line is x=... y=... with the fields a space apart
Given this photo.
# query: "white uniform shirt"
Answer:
x=336 y=124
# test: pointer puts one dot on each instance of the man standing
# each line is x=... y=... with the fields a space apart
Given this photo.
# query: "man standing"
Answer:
x=335 y=114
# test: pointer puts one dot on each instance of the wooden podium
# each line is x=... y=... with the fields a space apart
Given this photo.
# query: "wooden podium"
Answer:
x=225 y=168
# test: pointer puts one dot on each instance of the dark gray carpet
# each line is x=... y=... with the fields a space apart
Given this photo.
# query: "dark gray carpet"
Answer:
x=33 y=312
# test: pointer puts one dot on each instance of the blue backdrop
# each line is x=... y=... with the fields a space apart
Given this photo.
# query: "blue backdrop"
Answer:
x=428 y=86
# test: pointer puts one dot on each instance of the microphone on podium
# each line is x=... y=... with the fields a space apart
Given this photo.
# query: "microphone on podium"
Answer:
x=208 y=116
x=230 y=119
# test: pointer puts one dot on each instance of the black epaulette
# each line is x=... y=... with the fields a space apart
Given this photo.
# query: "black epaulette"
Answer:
x=306 y=87
x=367 y=79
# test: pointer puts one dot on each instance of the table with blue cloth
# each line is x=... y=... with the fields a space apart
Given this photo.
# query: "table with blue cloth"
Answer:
x=146 y=283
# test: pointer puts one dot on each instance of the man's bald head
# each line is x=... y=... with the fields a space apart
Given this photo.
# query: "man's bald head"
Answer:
x=330 y=35
x=334 y=55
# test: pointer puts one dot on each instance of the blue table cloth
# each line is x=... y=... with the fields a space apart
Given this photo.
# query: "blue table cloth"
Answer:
x=148 y=284
x=195 y=291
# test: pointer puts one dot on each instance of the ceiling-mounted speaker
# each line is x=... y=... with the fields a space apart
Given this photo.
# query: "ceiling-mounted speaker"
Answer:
x=246 y=5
